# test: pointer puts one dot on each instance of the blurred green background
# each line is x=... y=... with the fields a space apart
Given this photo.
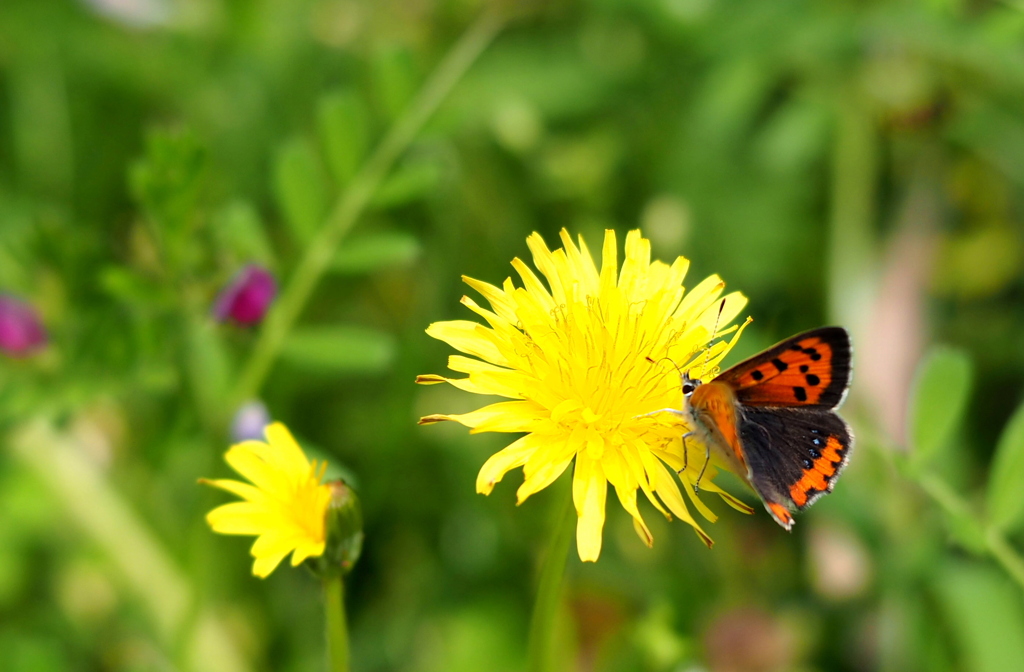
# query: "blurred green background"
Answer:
x=850 y=162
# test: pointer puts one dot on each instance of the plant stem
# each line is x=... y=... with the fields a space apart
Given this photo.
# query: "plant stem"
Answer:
x=540 y=646
x=183 y=627
x=1006 y=556
x=336 y=627
x=992 y=539
x=351 y=204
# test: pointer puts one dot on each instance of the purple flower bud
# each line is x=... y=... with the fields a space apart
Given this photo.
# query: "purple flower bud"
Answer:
x=21 y=332
x=249 y=422
x=247 y=297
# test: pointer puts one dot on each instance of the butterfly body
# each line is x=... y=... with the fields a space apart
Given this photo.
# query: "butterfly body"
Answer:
x=712 y=411
x=771 y=419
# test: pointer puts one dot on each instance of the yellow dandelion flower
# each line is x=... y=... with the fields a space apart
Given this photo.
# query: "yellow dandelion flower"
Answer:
x=575 y=359
x=285 y=502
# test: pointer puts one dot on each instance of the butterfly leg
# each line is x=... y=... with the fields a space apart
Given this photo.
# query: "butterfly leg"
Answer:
x=686 y=452
x=673 y=411
x=707 y=459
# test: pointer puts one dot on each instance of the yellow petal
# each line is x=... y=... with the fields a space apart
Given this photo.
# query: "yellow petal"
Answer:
x=669 y=493
x=609 y=263
x=616 y=471
x=306 y=549
x=464 y=384
x=247 y=459
x=285 y=454
x=722 y=348
x=722 y=312
x=740 y=506
x=500 y=302
x=541 y=478
x=544 y=260
x=699 y=298
x=630 y=455
x=243 y=490
x=589 y=491
x=632 y=278
x=487 y=378
x=468 y=337
x=504 y=416
x=532 y=286
x=581 y=265
x=514 y=455
x=238 y=518
x=265 y=564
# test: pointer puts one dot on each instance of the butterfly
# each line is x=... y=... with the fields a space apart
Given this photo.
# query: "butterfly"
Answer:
x=772 y=419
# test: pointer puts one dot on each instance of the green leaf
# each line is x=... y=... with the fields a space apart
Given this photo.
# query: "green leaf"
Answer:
x=371 y=251
x=344 y=124
x=136 y=290
x=1006 y=479
x=395 y=79
x=332 y=350
x=409 y=183
x=238 y=230
x=938 y=401
x=986 y=616
x=299 y=188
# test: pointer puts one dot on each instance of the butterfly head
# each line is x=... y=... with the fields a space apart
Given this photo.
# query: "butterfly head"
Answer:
x=689 y=384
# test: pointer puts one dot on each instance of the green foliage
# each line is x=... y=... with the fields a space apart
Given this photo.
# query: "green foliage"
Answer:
x=939 y=400
x=168 y=181
x=240 y=233
x=300 y=188
x=344 y=125
x=394 y=78
x=987 y=616
x=147 y=155
x=372 y=251
x=333 y=350
x=409 y=183
x=1006 y=477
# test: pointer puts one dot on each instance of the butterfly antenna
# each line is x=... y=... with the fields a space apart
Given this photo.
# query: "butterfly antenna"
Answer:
x=714 y=334
x=670 y=361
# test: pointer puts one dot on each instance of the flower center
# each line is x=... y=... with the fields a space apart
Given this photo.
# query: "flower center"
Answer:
x=603 y=375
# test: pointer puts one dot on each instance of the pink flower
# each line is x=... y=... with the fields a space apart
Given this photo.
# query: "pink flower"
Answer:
x=247 y=297
x=21 y=332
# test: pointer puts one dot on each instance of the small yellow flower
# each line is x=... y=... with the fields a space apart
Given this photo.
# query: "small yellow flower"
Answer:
x=575 y=359
x=284 y=506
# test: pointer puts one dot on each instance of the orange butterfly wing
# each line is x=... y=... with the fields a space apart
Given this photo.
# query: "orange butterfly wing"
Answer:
x=809 y=369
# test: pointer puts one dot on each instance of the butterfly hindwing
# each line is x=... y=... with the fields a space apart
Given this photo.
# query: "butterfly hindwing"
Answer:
x=793 y=455
x=810 y=369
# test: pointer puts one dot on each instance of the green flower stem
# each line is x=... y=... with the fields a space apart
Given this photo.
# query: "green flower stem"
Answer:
x=540 y=647
x=351 y=204
x=336 y=627
x=992 y=539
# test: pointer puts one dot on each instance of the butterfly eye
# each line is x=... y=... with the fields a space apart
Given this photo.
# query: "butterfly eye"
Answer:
x=688 y=388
